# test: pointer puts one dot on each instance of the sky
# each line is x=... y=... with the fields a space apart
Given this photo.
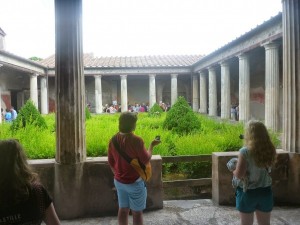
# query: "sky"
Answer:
x=135 y=27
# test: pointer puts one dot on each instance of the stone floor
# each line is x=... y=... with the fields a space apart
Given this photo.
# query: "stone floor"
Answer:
x=198 y=212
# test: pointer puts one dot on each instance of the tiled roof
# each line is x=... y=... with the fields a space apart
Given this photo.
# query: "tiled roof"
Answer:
x=132 y=61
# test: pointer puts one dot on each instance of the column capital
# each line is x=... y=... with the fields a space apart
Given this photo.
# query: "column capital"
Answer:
x=97 y=75
x=202 y=72
x=152 y=75
x=34 y=74
x=243 y=55
x=270 y=45
x=174 y=75
x=224 y=63
x=211 y=68
x=123 y=76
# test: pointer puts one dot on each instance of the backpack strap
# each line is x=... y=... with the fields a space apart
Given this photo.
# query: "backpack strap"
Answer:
x=119 y=150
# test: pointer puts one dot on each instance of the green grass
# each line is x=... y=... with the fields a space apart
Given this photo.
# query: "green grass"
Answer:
x=214 y=136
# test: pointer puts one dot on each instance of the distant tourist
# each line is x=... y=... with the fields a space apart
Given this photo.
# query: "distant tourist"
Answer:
x=254 y=162
x=14 y=113
x=8 y=116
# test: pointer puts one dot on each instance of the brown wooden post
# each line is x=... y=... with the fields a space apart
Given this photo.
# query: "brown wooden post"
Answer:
x=69 y=81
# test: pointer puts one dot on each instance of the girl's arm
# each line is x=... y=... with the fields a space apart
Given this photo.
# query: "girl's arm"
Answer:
x=241 y=167
x=51 y=217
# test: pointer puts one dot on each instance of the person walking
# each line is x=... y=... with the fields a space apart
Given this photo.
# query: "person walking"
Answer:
x=23 y=200
x=131 y=188
x=254 y=162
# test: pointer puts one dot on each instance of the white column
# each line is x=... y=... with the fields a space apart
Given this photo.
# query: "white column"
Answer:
x=44 y=94
x=124 y=101
x=152 y=90
x=244 y=88
x=272 y=86
x=34 y=90
x=225 y=91
x=212 y=92
x=98 y=94
x=195 y=94
x=173 y=88
x=203 y=93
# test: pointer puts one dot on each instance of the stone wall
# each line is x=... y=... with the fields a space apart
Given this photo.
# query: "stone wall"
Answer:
x=285 y=175
x=87 y=190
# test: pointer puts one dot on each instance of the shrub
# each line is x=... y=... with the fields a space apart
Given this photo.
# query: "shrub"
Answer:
x=155 y=111
x=28 y=114
x=87 y=113
x=181 y=119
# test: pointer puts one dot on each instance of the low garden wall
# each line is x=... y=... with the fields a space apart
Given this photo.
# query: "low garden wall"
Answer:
x=86 y=189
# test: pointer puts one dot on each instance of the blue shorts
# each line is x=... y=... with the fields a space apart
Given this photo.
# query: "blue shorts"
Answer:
x=254 y=199
x=133 y=195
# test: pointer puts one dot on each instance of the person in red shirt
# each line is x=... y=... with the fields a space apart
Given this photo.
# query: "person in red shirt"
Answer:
x=131 y=189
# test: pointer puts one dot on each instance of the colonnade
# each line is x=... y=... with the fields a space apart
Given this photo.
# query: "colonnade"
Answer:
x=271 y=88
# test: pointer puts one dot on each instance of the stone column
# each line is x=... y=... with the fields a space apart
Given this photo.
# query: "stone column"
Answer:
x=152 y=90
x=291 y=76
x=174 y=93
x=98 y=94
x=44 y=95
x=124 y=101
x=34 y=90
x=69 y=190
x=212 y=92
x=225 y=91
x=272 y=86
x=244 y=88
x=203 y=93
x=0 y=102
x=69 y=81
x=195 y=94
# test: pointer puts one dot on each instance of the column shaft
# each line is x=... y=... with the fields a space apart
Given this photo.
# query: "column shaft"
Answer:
x=225 y=91
x=272 y=86
x=174 y=93
x=34 y=90
x=212 y=89
x=98 y=94
x=203 y=93
x=195 y=94
x=0 y=102
x=152 y=90
x=44 y=95
x=244 y=88
x=124 y=101
x=291 y=75
x=69 y=81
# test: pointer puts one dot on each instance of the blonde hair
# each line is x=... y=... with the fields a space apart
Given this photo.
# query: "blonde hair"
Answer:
x=16 y=177
x=259 y=144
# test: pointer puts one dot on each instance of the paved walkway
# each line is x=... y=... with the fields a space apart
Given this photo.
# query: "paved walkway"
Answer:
x=196 y=212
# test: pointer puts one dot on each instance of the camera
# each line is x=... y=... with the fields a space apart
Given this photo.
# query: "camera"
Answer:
x=241 y=136
x=157 y=138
